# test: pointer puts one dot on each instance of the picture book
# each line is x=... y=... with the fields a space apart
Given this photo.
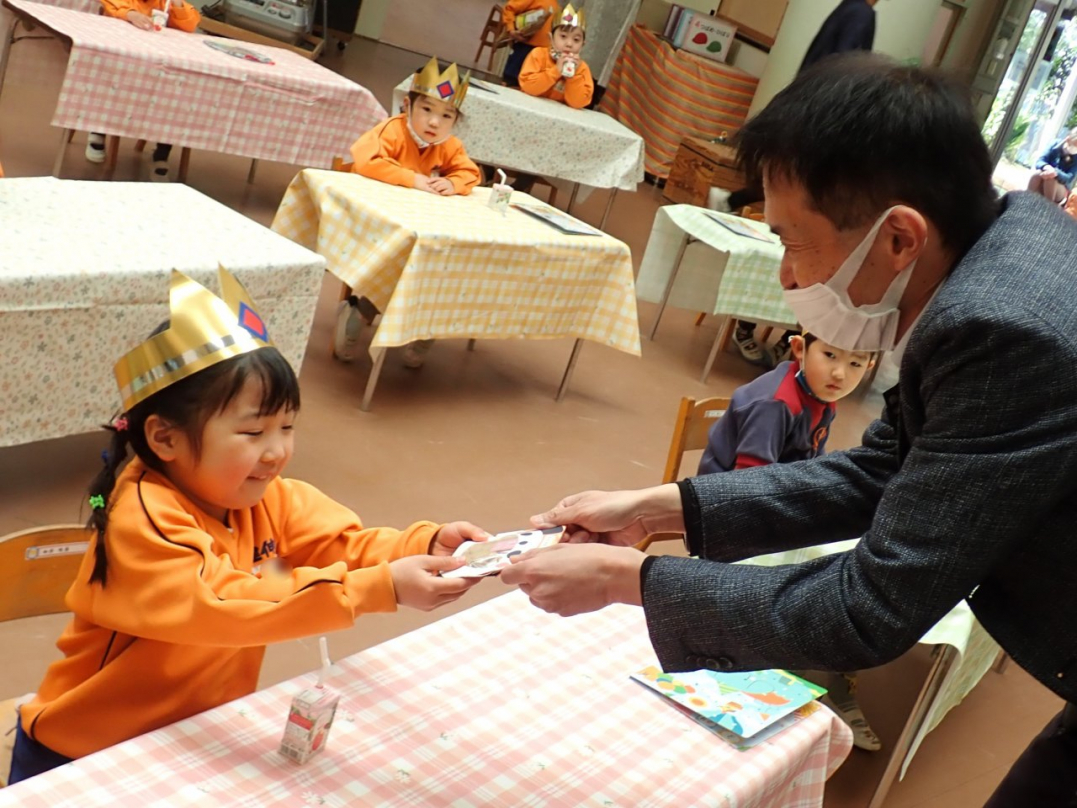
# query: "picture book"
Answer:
x=491 y=556
x=739 y=707
x=558 y=219
x=737 y=225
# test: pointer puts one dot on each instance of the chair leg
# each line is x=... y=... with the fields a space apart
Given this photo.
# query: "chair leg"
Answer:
x=140 y=145
x=552 y=198
x=59 y=163
x=185 y=163
x=766 y=333
x=471 y=345
x=250 y=174
x=345 y=291
x=699 y=320
x=112 y=154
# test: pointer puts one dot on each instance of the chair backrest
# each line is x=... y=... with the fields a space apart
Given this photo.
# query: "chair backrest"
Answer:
x=37 y=567
x=690 y=431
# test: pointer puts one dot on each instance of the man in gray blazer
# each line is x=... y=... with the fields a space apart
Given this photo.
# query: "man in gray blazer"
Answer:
x=879 y=185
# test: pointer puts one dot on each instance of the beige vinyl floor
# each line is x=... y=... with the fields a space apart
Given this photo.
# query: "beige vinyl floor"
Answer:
x=478 y=436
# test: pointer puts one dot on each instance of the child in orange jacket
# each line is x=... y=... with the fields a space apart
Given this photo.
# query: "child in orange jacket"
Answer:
x=558 y=72
x=527 y=24
x=181 y=16
x=415 y=149
x=201 y=552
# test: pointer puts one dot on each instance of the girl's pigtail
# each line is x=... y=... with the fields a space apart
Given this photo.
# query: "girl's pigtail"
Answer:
x=100 y=491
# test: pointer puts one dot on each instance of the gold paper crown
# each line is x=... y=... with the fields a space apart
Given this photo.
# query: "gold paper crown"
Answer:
x=447 y=86
x=203 y=330
x=571 y=17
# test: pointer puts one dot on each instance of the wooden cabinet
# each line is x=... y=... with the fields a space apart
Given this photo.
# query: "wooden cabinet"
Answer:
x=698 y=165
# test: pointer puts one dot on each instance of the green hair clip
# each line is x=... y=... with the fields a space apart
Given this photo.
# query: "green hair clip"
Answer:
x=97 y=501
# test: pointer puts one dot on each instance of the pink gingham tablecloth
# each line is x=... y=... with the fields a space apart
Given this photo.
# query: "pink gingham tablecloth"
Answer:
x=500 y=705
x=170 y=87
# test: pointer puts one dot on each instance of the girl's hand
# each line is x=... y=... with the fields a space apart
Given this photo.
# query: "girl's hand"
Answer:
x=139 y=20
x=422 y=183
x=443 y=186
x=451 y=535
x=419 y=586
x=177 y=3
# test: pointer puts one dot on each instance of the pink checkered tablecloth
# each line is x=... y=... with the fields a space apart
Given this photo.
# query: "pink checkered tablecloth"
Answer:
x=500 y=705
x=170 y=87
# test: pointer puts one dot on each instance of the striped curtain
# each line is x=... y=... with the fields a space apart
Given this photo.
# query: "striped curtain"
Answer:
x=666 y=95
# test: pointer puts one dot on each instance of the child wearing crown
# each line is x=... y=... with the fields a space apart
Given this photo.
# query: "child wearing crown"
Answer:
x=417 y=149
x=201 y=552
x=558 y=72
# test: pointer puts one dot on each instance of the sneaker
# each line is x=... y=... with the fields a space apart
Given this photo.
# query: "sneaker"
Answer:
x=415 y=353
x=95 y=147
x=347 y=330
x=718 y=199
x=749 y=348
x=841 y=698
x=780 y=351
x=159 y=171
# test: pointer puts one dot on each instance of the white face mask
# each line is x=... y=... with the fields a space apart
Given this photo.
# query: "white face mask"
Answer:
x=824 y=309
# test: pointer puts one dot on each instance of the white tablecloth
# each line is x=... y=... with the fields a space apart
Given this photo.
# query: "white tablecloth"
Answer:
x=511 y=129
x=84 y=270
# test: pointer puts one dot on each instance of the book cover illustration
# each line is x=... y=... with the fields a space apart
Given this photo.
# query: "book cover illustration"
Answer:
x=744 y=704
x=737 y=225
x=557 y=219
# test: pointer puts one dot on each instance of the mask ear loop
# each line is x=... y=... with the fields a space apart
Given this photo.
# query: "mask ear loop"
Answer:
x=850 y=266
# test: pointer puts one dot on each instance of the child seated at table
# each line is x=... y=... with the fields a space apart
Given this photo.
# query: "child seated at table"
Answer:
x=415 y=149
x=527 y=24
x=181 y=16
x=782 y=417
x=201 y=553
x=558 y=72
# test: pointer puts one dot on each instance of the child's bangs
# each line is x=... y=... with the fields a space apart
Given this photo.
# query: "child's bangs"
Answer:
x=268 y=367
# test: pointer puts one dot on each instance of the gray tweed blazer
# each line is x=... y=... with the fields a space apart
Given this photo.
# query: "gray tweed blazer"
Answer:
x=965 y=488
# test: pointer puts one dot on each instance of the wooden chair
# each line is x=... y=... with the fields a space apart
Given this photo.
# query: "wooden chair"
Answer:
x=690 y=431
x=37 y=567
x=492 y=37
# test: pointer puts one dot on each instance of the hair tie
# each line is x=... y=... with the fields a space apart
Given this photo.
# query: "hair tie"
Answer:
x=120 y=424
x=97 y=501
x=104 y=456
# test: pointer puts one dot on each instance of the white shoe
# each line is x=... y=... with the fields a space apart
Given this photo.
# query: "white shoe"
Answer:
x=780 y=352
x=415 y=353
x=841 y=698
x=347 y=330
x=95 y=147
x=749 y=348
x=718 y=199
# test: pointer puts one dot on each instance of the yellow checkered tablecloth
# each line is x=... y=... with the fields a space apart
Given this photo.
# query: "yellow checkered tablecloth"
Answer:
x=451 y=267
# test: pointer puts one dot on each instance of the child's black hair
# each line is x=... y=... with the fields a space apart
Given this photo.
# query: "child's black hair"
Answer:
x=188 y=404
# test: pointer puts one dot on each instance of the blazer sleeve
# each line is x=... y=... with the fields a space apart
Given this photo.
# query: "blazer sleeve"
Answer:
x=958 y=507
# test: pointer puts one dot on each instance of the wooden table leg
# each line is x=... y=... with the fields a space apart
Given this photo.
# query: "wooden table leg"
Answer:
x=568 y=370
x=471 y=345
x=572 y=197
x=140 y=145
x=250 y=174
x=65 y=138
x=720 y=342
x=112 y=154
x=669 y=284
x=372 y=381
x=609 y=207
x=185 y=163
x=945 y=658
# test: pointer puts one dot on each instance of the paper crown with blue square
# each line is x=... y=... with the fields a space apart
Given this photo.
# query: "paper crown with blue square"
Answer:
x=570 y=17
x=443 y=85
x=203 y=330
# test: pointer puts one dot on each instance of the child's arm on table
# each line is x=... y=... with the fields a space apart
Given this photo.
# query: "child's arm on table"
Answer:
x=534 y=79
x=461 y=171
x=183 y=16
x=372 y=156
x=579 y=89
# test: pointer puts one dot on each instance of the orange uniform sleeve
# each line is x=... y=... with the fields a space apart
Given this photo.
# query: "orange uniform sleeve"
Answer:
x=377 y=155
x=185 y=18
x=459 y=168
x=580 y=88
x=167 y=583
x=539 y=73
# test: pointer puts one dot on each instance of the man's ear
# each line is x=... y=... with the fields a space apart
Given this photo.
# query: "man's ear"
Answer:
x=906 y=234
x=162 y=437
x=796 y=342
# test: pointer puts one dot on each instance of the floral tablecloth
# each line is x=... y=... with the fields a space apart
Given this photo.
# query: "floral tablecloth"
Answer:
x=500 y=705
x=513 y=130
x=722 y=273
x=170 y=87
x=450 y=267
x=84 y=270
x=667 y=95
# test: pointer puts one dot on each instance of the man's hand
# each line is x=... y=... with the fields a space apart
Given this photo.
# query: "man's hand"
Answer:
x=418 y=585
x=443 y=186
x=572 y=580
x=139 y=20
x=616 y=517
x=452 y=535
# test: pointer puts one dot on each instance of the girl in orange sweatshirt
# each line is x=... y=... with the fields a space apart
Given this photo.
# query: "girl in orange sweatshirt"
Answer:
x=201 y=552
x=181 y=16
x=558 y=72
